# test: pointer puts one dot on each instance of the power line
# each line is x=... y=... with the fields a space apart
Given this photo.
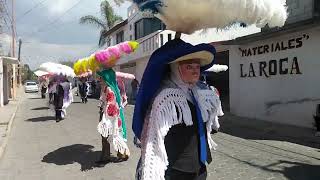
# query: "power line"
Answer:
x=31 y=9
x=63 y=25
x=42 y=28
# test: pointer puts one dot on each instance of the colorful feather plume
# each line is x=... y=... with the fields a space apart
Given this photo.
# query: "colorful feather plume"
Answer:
x=187 y=16
x=106 y=58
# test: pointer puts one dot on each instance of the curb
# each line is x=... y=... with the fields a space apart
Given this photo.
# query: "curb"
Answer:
x=9 y=127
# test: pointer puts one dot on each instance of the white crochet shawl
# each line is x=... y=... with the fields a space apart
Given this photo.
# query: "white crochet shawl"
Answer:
x=162 y=116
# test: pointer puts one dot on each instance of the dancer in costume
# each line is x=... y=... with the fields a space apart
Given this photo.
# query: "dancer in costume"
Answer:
x=58 y=95
x=181 y=110
x=43 y=86
x=134 y=89
x=122 y=88
x=105 y=155
x=112 y=125
x=51 y=91
x=83 y=89
x=175 y=128
x=67 y=96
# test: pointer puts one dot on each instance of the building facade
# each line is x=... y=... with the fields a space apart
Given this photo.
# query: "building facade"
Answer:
x=274 y=74
x=7 y=79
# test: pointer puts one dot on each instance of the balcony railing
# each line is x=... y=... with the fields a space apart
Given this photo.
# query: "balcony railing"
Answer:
x=148 y=45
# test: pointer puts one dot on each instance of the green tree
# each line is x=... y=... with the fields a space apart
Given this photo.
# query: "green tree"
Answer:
x=108 y=20
x=27 y=74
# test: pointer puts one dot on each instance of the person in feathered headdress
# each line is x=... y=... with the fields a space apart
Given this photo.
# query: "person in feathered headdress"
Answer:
x=180 y=115
x=112 y=124
x=175 y=112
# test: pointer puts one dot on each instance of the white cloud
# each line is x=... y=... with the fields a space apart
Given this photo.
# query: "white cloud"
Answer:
x=59 y=6
x=34 y=53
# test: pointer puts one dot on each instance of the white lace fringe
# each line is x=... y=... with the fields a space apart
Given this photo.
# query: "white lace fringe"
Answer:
x=169 y=108
x=106 y=129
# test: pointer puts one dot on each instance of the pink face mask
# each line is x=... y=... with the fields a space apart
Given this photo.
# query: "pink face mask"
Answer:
x=190 y=71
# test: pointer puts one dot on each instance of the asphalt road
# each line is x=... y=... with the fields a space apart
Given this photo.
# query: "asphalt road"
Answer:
x=41 y=149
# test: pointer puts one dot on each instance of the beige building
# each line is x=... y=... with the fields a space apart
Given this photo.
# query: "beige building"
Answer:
x=8 y=83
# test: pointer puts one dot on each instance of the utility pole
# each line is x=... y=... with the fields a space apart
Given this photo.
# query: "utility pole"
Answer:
x=20 y=64
x=13 y=28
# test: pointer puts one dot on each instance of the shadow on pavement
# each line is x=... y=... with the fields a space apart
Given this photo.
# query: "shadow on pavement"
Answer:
x=290 y=169
x=77 y=153
x=77 y=102
x=41 y=119
x=40 y=108
x=301 y=171
x=35 y=98
x=262 y=130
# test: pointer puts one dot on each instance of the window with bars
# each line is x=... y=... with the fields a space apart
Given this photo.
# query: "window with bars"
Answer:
x=120 y=37
x=146 y=26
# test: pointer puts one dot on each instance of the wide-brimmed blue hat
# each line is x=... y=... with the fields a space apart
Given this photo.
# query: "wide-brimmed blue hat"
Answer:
x=173 y=51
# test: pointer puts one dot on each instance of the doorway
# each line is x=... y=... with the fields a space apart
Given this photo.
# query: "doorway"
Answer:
x=221 y=80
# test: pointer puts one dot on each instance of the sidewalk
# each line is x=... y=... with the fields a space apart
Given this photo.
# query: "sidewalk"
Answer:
x=263 y=130
x=7 y=114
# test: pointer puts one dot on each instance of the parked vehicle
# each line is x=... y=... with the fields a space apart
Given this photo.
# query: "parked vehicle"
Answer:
x=31 y=87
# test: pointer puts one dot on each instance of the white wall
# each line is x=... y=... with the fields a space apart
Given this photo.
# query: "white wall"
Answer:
x=1 y=83
x=141 y=65
x=287 y=98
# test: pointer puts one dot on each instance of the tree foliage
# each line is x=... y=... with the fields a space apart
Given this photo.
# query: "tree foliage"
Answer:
x=27 y=74
x=108 y=20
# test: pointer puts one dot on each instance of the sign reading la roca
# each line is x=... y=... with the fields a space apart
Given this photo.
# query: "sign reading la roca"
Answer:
x=281 y=66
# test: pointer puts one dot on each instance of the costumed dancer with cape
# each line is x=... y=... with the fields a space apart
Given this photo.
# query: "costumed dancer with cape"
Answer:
x=60 y=94
x=174 y=112
x=112 y=125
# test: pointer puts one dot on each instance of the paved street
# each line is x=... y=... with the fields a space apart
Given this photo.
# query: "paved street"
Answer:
x=41 y=149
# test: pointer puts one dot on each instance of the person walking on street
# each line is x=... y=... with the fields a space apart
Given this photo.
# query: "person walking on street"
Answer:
x=112 y=125
x=105 y=156
x=83 y=90
x=58 y=95
x=44 y=87
x=134 y=87
x=94 y=87
x=175 y=113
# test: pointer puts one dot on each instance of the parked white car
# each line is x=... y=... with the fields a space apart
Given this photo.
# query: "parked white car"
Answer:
x=31 y=87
